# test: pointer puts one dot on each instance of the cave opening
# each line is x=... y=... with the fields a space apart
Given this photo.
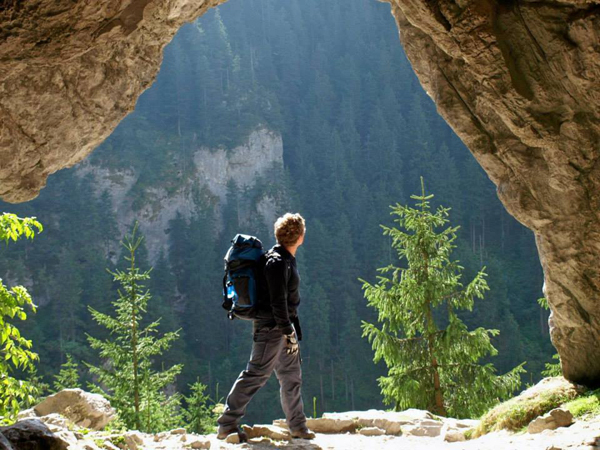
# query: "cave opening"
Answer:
x=325 y=103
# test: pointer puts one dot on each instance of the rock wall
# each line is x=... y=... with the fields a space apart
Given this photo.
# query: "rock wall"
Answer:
x=70 y=70
x=519 y=82
x=214 y=169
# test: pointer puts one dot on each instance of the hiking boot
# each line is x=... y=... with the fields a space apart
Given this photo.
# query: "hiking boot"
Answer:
x=222 y=433
x=303 y=433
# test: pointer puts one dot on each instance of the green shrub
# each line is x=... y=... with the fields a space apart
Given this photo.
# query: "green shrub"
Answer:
x=587 y=405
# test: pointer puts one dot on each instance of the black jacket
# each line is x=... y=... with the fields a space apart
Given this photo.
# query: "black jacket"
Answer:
x=282 y=297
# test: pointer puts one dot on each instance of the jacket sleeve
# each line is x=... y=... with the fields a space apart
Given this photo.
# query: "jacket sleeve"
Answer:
x=275 y=275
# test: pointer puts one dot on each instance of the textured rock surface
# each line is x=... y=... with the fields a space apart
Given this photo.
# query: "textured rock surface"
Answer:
x=213 y=170
x=520 y=84
x=70 y=70
x=32 y=434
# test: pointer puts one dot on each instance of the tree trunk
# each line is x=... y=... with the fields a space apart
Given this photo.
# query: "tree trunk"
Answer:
x=136 y=387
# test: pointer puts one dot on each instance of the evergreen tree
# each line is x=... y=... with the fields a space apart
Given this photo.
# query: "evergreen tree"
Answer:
x=429 y=366
x=199 y=416
x=127 y=378
x=68 y=377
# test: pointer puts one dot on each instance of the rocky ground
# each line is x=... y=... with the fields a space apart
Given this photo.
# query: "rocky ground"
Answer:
x=74 y=420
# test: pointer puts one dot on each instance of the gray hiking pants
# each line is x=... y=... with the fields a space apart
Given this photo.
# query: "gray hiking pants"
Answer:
x=268 y=354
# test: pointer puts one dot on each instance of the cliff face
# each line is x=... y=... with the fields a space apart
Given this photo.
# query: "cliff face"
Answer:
x=520 y=84
x=214 y=169
x=69 y=72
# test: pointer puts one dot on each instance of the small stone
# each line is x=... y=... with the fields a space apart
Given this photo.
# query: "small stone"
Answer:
x=271 y=431
x=200 y=444
x=109 y=445
x=26 y=414
x=233 y=439
x=562 y=417
x=178 y=431
x=136 y=436
x=556 y=418
x=183 y=438
x=371 y=431
x=424 y=428
x=130 y=443
x=331 y=425
x=452 y=435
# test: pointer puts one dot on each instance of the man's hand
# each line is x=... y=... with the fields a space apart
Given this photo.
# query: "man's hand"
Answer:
x=291 y=343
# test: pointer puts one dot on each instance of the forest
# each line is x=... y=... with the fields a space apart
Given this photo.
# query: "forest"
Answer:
x=358 y=132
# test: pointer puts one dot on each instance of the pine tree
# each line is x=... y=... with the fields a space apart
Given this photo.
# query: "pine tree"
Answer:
x=127 y=378
x=68 y=377
x=198 y=415
x=429 y=366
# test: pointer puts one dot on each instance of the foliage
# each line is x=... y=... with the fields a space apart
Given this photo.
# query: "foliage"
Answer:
x=39 y=387
x=13 y=227
x=428 y=366
x=15 y=349
x=199 y=415
x=127 y=377
x=68 y=377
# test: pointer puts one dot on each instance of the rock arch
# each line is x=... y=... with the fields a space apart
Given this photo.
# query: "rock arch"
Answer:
x=519 y=81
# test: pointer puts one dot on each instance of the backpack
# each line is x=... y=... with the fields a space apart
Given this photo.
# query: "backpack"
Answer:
x=243 y=284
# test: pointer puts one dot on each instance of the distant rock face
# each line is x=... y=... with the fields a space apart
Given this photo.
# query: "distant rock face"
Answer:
x=520 y=84
x=213 y=170
x=70 y=70
x=518 y=81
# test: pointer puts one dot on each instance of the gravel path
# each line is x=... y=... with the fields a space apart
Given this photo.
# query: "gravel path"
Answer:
x=581 y=436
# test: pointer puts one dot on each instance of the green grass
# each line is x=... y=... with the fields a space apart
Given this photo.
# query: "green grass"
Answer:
x=516 y=413
x=585 y=406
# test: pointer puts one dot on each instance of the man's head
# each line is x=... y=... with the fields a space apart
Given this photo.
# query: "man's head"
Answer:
x=289 y=229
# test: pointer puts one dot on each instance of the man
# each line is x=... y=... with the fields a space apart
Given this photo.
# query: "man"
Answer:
x=276 y=332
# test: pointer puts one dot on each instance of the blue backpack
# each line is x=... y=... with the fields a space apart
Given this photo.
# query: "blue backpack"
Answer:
x=243 y=283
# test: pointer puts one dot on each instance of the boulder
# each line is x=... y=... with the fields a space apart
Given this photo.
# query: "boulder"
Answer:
x=5 y=444
x=556 y=418
x=32 y=434
x=82 y=408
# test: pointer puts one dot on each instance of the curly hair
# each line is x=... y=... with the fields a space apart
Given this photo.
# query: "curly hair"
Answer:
x=289 y=228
